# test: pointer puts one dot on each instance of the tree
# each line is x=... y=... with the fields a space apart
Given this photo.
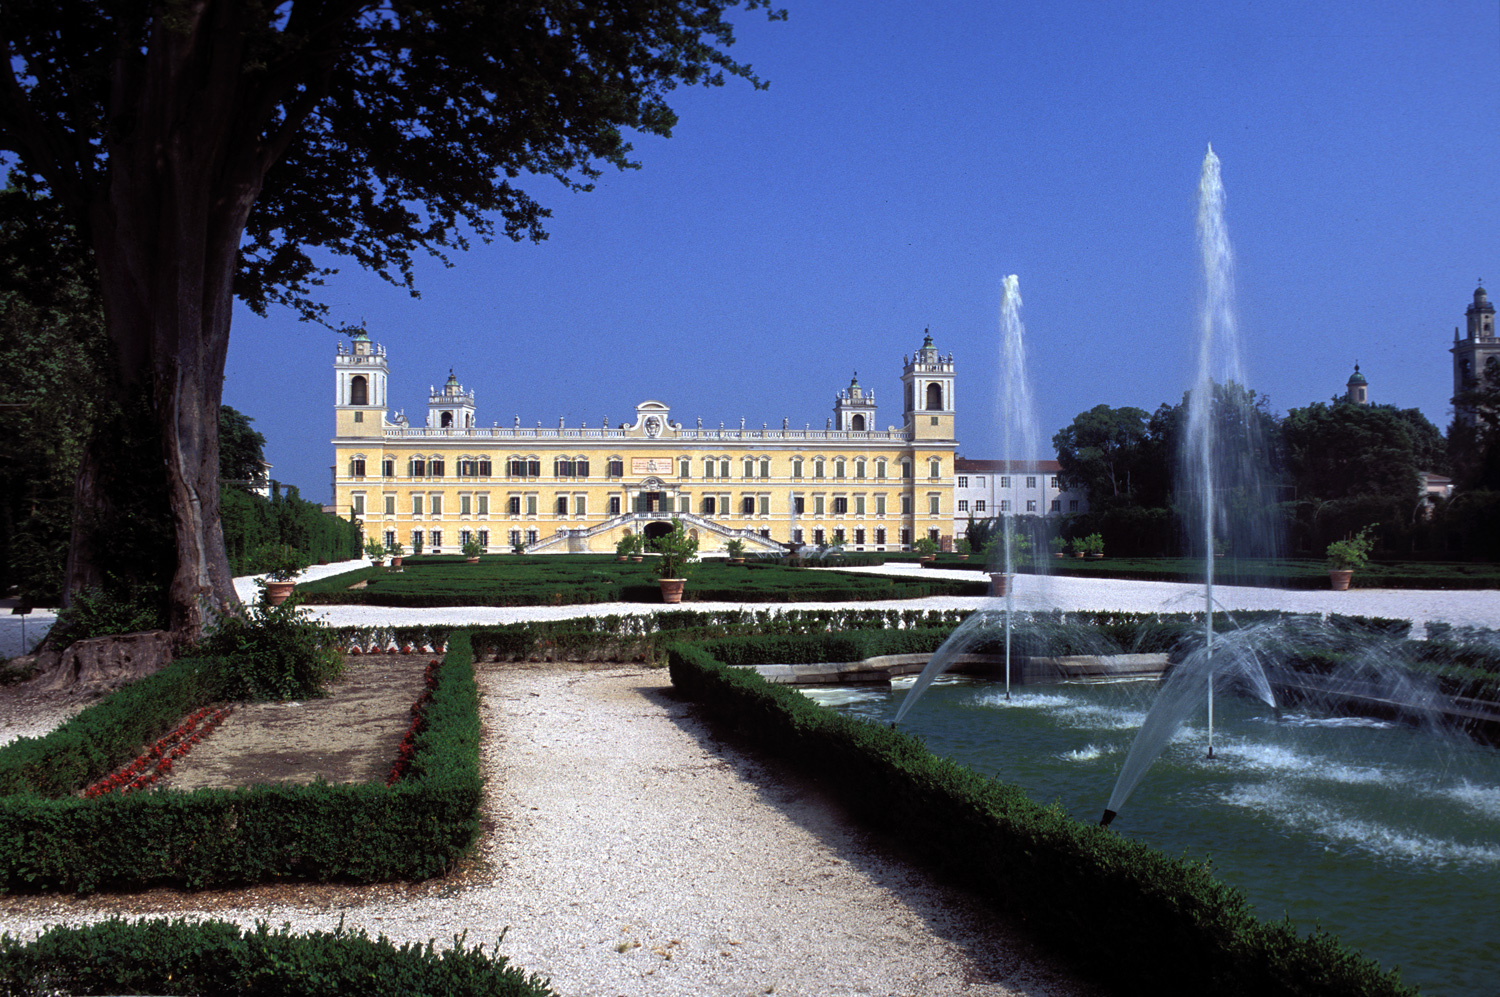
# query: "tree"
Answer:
x=242 y=455
x=1338 y=451
x=201 y=148
x=1100 y=450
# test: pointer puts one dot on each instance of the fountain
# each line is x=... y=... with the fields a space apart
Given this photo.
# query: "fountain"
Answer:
x=1015 y=412
x=1221 y=467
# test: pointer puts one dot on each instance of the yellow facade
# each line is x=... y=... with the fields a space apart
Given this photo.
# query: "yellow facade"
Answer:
x=581 y=488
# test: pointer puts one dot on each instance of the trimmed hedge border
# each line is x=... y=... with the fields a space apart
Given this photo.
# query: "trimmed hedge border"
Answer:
x=50 y=840
x=1120 y=910
x=217 y=957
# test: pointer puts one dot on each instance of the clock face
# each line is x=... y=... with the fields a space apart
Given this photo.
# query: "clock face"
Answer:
x=653 y=426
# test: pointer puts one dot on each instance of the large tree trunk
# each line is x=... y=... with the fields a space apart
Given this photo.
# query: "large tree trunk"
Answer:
x=166 y=236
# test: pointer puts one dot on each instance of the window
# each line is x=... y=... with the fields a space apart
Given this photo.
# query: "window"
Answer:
x=390 y=505
x=357 y=467
x=1031 y=481
x=1072 y=505
x=615 y=468
x=933 y=535
x=934 y=397
x=765 y=468
x=435 y=468
x=818 y=505
x=416 y=541
x=531 y=506
x=484 y=539
x=859 y=506
x=1005 y=505
x=963 y=505
x=857 y=424
x=880 y=505
x=818 y=468
x=515 y=537
x=416 y=505
x=841 y=506
x=797 y=537
x=358 y=504
x=766 y=534
x=569 y=467
x=838 y=537
x=513 y=505
x=765 y=505
x=1031 y=505
x=724 y=468
x=838 y=468
x=614 y=505
x=708 y=505
x=747 y=505
x=390 y=538
x=417 y=467
x=709 y=466
x=684 y=468
x=521 y=467
x=859 y=468
x=932 y=504
x=859 y=537
x=482 y=504
x=934 y=468
x=359 y=391
x=749 y=467
x=388 y=467
x=800 y=505
x=469 y=468
x=905 y=537
x=684 y=504
x=1005 y=481
x=437 y=540
x=531 y=536
x=979 y=505
x=1057 y=505
x=963 y=482
x=465 y=505
x=580 y=505
x=880 y=535
x=463 y=537
x=435 y=503
x=880 y=468
x=906 y=505
x=796 y=467
x=906 y=469
x=562 y=505
x=1054 y=481
x=818 y=537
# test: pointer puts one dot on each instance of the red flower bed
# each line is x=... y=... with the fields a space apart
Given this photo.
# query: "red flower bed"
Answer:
x=159 y=758
x=418 y=709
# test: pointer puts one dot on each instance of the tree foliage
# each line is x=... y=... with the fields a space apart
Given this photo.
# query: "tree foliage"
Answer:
x=1101 y=450
x=241 y=451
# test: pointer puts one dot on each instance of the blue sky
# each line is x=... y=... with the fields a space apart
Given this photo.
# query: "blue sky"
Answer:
x=905 y=158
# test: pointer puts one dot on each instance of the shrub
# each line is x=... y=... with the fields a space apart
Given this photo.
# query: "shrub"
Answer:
x=275 y=652
x=96 y=613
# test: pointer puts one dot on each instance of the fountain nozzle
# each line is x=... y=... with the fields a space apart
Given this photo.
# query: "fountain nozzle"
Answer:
x=1109 y=815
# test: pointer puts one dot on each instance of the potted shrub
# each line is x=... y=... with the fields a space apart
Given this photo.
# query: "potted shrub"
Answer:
x=926 y=548
x=1346 y=556
x=624 y=547
x=375 y=552
x=281 y=563
x=677 y=551
x=395 y=550
x=1079 y=546
x=638 y=548
x=472 y=549
x=1059 y=546
x=1094 y=545
x=736 y=549
x=519 y=547
x=962 y=547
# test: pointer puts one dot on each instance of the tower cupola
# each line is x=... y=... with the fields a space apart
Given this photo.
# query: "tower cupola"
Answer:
x=854 y=407
x=450 y=407
x=927 y=380
x=360 y=374
x=1357 y=390
x=1481 y=316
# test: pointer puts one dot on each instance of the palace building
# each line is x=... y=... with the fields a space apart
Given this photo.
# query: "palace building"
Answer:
x=562 y=489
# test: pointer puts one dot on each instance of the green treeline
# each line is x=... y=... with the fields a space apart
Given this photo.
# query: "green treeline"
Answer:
x=251 y=522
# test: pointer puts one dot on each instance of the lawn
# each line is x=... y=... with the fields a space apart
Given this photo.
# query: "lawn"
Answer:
x=510 y=580
x=1290 y=573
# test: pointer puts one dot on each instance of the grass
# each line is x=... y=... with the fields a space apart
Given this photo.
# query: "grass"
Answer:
x=1289 y=573
x=508 y=580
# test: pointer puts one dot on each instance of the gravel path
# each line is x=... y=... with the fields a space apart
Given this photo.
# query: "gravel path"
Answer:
x=631 y=853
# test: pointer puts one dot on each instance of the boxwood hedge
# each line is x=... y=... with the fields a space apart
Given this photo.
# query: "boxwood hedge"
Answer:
x=1123 y=912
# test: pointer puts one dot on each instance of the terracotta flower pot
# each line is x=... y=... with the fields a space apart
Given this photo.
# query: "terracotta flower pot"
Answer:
x=637 y=558
x=277 y=592
x=471 y=560
x=736 y=560
x=999 y=584
x=963 y=557
x=928 y=558
x=396 y=561
x=671 y=589
x=1339 y=578
x=378 y=562
x=623 y=557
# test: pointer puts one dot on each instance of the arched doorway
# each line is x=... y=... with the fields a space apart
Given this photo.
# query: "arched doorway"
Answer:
x=656 y=530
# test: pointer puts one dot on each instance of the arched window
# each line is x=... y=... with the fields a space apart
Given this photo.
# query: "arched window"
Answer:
x=934 y=397
x=447 y=420
x=359 y=390
x=857 y=423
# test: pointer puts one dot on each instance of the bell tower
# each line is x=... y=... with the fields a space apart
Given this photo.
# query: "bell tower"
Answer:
x=452 y=407
x=927 y=380
x=854 y=407
x=1358 y=388
x=1474 y=353
x=360 y=374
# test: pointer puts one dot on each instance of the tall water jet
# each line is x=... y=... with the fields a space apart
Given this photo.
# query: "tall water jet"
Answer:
x=1222 y=481
x=1015 y=414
